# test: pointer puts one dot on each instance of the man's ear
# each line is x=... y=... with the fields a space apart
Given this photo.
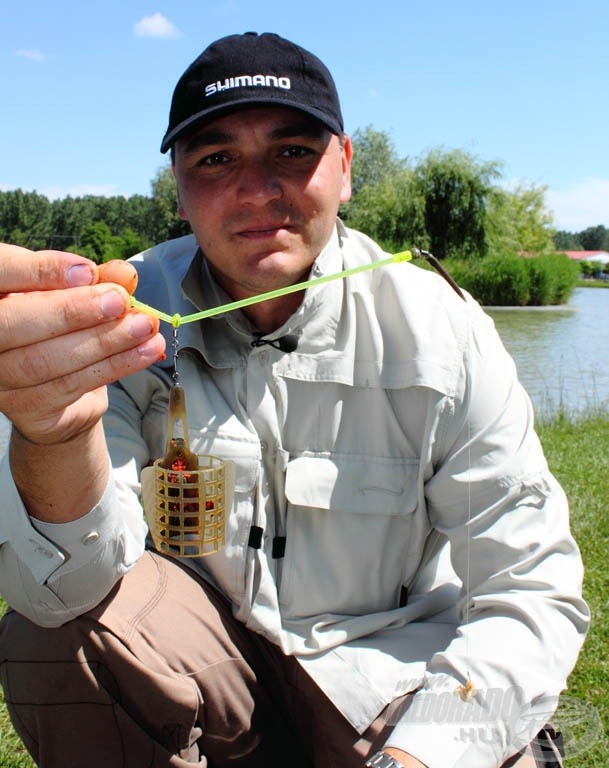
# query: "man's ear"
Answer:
x=347 y=154
x=181 y=211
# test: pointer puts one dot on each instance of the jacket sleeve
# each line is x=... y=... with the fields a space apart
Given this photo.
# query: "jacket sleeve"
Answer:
x=522 y=615
x=52 y=573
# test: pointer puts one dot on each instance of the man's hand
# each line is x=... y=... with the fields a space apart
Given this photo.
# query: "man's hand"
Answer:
x=63 y=336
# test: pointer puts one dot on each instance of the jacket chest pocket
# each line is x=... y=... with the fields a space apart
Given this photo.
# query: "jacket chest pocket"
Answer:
x=348 y=524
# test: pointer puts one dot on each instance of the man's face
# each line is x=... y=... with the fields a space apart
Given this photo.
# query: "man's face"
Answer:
x=261 y=189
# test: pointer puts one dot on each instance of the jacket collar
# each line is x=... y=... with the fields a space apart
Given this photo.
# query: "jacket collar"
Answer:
x=224 y=340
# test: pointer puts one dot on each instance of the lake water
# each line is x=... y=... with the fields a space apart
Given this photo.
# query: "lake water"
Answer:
x=562 y=354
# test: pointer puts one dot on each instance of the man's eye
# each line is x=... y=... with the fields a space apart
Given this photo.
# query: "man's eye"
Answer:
x=217 y=158
x=297 y=151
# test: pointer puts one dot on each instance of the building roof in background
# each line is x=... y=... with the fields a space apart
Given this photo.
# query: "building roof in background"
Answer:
x=602 y=256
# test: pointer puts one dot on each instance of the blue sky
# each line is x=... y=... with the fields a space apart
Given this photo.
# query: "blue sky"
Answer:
x=85 y=87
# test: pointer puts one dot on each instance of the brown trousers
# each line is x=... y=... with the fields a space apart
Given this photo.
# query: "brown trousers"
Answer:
x=160 y=674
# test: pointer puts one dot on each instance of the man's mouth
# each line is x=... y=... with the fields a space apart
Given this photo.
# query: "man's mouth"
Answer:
x=260 y=231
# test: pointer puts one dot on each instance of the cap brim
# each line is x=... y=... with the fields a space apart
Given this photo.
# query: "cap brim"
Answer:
x=232 y=106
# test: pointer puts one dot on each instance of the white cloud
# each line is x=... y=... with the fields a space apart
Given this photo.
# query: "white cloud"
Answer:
x=156 y=25
x=31 y=53
x=580 y=205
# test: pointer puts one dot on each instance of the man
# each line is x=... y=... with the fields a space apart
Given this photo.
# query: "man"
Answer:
x=398 y=585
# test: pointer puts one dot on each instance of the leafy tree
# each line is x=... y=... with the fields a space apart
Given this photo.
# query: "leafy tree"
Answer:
x=384 y=203
x=595 y=238
x=533 y=220
x=374 y=158
x=99 y=244
x=141 y=217
x=95 y=242
x=500 y=224
x=127 y=244
x=455 y=187
x=9 y=214
x=519 y=221
x=71 y=216
x=389 y=211
x=25 y=218
x=169 y=224
x=567 y=241
x=448 y=203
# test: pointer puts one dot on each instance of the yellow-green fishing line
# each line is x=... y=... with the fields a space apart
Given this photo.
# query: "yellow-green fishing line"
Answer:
x=177 y=320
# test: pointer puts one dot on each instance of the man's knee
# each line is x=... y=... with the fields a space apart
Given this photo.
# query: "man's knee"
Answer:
x=49 y=677
x=78 y=690
x=125 y=672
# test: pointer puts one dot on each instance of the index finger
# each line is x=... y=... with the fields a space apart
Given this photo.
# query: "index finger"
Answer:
x=120 y=272
x=22 y=270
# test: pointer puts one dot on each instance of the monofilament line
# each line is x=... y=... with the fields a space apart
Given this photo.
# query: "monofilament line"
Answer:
x=177 y=320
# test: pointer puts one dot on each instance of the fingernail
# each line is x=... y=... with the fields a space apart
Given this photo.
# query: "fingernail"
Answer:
x=79 y=274
x=140 y=326
x=112 y=304
x=149 y=349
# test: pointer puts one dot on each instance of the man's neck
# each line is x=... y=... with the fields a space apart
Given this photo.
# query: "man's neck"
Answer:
x=267 y=316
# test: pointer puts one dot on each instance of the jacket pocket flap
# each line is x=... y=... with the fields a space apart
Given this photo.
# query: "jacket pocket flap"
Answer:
x=359 y=484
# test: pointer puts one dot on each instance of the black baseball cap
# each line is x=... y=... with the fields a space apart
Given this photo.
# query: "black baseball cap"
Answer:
x=248 y=70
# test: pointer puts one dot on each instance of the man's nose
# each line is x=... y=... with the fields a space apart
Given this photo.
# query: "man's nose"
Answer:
x=259 y=183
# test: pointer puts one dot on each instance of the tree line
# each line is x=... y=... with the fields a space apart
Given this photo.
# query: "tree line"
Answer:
x=453 y=204
x=98 y=227
x=589 y=239
x=448 y=202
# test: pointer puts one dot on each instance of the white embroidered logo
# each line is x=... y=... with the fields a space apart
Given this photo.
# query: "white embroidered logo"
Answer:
x=264 y=81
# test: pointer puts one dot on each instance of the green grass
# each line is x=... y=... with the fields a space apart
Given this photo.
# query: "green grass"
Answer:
x=12 y=751
x=578 y=453
x=592 y=283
